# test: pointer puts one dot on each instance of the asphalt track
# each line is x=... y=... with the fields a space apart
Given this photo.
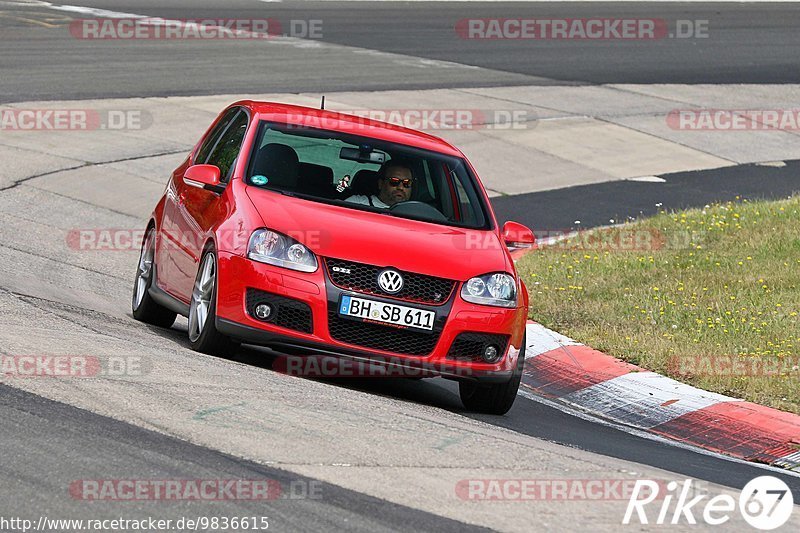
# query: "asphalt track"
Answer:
x=746 y=43
x=74 y=444
x=615 y=202
x=47 y=444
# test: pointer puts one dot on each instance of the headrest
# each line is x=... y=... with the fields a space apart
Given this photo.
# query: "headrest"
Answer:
x=364 y=182
x=279 y=163
x=316 y=175
x=316 y=180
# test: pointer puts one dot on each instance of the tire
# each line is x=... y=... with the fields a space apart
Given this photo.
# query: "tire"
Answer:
x=203 y=334
x=495 y=399
x=144 y=308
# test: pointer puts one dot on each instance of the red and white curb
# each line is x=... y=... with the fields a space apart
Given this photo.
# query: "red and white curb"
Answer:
x=561 y=369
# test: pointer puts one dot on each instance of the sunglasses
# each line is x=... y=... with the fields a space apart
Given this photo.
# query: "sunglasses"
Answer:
x=394 y=182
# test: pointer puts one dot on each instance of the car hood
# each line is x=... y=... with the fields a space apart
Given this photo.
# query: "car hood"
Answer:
x=383 y=240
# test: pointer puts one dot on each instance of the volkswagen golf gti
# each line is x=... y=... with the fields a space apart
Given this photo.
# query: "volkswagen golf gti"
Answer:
x=316 y=233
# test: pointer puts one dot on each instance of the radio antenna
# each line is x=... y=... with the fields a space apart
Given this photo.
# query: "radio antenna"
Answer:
x=322 y=104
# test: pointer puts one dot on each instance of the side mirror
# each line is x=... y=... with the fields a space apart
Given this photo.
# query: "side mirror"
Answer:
x=204 y=177
x=516 y=236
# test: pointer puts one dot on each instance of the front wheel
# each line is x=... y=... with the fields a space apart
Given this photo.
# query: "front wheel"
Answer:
x=203 y=334
x=144 y=308
x=495 y=399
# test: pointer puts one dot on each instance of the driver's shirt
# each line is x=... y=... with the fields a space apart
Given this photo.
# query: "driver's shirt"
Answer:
x=373 y=200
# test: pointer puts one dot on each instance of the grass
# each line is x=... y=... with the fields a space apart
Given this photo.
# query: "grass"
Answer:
x=707 y=296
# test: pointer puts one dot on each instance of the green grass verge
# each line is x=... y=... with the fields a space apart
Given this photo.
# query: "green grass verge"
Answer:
x=707 y=296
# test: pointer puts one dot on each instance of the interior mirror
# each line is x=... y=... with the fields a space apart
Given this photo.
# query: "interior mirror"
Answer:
x=203 y=177
x=515 y=235
x=363 y=154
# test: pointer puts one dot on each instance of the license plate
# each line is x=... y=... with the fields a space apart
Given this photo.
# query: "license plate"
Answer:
x=398 y=315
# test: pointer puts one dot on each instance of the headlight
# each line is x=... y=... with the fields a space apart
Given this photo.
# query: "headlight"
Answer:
x=267 y=246
x=498 y=289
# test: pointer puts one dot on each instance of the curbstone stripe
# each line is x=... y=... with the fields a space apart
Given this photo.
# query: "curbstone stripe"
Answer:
x=569 y=372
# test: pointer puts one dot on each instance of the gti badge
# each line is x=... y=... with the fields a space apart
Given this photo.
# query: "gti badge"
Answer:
x=390 y=281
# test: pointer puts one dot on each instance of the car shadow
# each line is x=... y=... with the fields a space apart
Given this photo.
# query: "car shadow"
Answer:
x=434 y=392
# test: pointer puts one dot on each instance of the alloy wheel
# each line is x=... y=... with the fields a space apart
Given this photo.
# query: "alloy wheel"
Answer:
x=145 y=270
x=201 y=297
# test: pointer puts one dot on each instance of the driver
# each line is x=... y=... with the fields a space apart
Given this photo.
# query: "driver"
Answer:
x=395 y=182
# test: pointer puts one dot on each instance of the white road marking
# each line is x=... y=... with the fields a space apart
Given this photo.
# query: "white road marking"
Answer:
x=583 y=415
x=644 y=399
x=789 y=461
x=540 y=340
x=648 y=179
x=400 y=59
x=93 y=11
x=24 y=3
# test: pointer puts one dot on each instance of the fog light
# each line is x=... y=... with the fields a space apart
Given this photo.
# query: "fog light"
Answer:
x=263 y=311
x=491 y=354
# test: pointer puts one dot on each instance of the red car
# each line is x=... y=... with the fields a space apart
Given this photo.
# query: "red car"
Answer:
x=318 y=233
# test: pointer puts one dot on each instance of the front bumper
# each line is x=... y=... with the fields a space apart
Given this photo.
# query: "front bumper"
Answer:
x=237 y=274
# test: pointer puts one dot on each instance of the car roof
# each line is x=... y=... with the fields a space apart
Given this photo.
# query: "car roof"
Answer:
x=331 y=120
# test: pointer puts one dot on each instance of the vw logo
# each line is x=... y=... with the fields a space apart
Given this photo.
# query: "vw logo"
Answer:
x=390 y=281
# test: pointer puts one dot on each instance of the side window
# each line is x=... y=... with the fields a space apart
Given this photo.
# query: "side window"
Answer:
x=227 y=148
x=211 y=141
x=467 y=213
x=459 y=201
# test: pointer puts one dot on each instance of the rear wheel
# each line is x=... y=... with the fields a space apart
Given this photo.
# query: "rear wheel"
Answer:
x=203 y=334
x=497 y=398
x=143 y=306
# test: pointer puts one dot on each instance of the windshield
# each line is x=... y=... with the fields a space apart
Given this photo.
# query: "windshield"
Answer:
x=365 y=173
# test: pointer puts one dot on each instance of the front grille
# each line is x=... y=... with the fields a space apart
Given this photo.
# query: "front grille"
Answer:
x=470 y=346
x=286 y=312
x=378 y=337
x=364 y=278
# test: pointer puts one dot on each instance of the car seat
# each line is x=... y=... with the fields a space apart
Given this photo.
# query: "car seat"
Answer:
x=316 y=180
x=279 y=163
x=365 y=182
